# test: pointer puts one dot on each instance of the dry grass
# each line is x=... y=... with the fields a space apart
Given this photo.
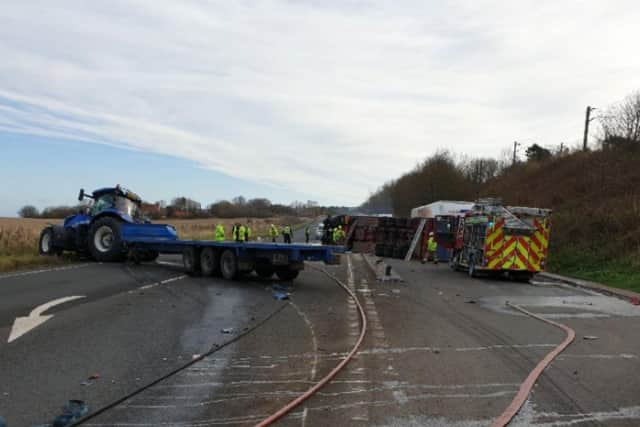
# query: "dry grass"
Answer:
x=19 y=243
x=19 y=237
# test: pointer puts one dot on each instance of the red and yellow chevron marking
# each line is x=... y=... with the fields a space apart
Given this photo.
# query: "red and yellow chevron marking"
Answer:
x=504 y=252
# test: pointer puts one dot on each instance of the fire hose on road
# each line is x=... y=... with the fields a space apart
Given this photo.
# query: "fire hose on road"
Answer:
x=526 y=387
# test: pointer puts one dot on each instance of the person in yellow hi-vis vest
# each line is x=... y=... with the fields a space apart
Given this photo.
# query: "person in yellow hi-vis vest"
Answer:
x=273 y=233
x=432 y=248
x=242 y=233
x=247 y=233
x=219 y=233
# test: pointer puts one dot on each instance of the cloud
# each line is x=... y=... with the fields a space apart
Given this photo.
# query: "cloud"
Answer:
x=328 y=98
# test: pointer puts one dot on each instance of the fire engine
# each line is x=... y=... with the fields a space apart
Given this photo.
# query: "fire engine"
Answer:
x=495 y=240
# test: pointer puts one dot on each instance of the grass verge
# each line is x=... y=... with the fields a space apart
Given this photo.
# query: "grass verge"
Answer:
x=623 y=273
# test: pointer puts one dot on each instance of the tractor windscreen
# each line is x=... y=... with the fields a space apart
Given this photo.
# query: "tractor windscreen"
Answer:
x=126 y=206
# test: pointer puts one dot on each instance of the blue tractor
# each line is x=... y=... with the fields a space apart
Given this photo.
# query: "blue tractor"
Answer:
x=96 y=230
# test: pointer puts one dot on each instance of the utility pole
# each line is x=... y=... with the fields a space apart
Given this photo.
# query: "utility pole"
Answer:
x=587 y=119
x=515 y=148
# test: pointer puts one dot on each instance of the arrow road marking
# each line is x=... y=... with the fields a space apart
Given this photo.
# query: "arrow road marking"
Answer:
x=22 y=325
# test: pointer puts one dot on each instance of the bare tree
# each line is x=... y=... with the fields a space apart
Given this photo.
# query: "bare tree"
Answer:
x=28 y=211
x=622 y=121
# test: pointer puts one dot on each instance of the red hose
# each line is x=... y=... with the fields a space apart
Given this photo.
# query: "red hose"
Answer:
x=526 y=387
x=307 y=394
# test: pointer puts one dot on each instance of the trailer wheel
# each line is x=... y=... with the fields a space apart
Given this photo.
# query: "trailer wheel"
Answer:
x=105 y=243
x=229 y=265
x=264 y=270
x=191 y=260
x=209 y=261
x=287 y=274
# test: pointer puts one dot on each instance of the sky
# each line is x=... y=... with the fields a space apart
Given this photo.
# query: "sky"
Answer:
x=292 y=100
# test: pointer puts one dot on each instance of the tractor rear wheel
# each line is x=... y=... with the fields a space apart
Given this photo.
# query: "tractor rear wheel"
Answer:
x=105 y=243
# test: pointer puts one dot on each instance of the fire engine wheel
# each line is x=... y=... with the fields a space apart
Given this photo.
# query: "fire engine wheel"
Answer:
x=287 y=273
x=105 y=244
x=472 y=268
x=209 y=262
x=191 y=261
x=229 y=265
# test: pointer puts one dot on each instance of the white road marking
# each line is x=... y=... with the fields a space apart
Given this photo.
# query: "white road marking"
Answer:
x=172 y=264
x=22 y=325
x=44 y=270
x=161 y=282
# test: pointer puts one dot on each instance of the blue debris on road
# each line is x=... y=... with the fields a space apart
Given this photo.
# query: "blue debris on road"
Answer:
x=72 y=411
x=281 y=295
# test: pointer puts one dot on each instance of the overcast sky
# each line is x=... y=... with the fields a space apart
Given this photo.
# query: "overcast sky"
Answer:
x=321 y=100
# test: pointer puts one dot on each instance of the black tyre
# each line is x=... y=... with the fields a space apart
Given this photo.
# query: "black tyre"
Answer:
x=105 y=243
x=472 y=268
x=149 y=256
x=209 y=264
x=191 y=261
x=229 y=265
x=264 y=270
x=287 y=274
x=45 y=245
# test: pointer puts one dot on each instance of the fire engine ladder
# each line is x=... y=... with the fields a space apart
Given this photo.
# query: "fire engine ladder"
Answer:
x=416 y=239
x=512 y=221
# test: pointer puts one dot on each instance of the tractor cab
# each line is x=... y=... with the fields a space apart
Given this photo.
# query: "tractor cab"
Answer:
x=116 y=199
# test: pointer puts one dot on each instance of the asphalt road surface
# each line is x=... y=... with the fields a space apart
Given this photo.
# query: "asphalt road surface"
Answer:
x=442 y=349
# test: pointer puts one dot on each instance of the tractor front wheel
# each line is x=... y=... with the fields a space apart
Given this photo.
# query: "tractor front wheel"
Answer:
x=105 y=243
x=45 y=245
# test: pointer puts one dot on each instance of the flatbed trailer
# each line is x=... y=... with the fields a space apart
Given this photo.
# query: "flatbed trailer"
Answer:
x=229 y=259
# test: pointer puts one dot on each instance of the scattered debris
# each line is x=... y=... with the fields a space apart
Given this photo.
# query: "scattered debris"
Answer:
x=589 y=337
x=218 y=293
x=440 y=293
x=457 y=295
x=280 y=295
x=634 y=300
x=280 y=288
x=94 y=376
x=436 y=351
x=575 y=372
x=227 y=330
x=72 y=411
x=470 y=301
x=395 y=291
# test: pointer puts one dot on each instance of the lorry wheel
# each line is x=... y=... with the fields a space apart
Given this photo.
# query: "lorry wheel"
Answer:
x=209 y=261
x=229 y=265
x=191 y=261
x=287 y=274
x=105 y=244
